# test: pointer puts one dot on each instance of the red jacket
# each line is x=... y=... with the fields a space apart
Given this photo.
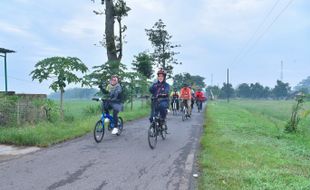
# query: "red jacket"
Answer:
x=186 y=93
x=200 y=96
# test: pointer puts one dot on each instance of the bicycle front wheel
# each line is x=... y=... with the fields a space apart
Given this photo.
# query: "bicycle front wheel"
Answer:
x=98 y=131
x=152 y=136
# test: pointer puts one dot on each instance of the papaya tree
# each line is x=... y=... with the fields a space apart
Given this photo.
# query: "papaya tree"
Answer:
x=62 y=71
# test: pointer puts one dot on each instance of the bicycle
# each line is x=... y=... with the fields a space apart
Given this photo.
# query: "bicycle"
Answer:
x=185 y=114
x=106 y=120
x=157 y=127
x=174 y=107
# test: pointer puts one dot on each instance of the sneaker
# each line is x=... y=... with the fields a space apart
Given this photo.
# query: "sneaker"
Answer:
x=114 y=131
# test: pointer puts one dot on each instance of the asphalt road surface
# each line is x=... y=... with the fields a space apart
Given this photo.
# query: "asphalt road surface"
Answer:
x=118 y=162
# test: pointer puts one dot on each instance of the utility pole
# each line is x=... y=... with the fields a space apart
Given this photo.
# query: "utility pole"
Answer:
x=227 y=90
x=281 y=76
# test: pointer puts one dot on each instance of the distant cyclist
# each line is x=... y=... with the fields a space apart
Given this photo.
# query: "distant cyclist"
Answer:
x=193 y=98
x=199 y=98
x=160 y=90
x=186 y=96
x=115 y=90
x=175 y=97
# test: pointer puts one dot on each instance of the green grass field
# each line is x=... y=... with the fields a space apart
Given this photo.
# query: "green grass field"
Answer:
x=77 y=123
x=244 y=146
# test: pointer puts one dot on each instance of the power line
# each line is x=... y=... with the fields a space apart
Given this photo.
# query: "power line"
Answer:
x=256 y=31
x=265 y=31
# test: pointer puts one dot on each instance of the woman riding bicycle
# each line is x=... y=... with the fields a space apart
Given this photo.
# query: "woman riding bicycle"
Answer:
x=115 y=90
x=160 y=90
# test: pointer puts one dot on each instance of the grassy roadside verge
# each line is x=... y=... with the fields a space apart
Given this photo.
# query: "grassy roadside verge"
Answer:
x=45 y=134
x=243 y=147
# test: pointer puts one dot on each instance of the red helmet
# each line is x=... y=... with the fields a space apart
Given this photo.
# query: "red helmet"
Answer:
x=162 y=71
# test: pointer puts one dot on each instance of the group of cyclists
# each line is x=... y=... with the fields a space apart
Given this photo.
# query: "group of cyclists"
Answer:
x=188 y=98
x=160 y=91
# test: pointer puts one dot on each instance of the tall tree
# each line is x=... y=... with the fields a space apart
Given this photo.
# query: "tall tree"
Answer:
x=227 y=91
x=62 y=70
x=143 y=63
x=180 y=79
x=163 y=54
x=114 y=10
x=257 y=90
x=303 y=86
x=281 y=90
x=243 y=91
x=198 y=81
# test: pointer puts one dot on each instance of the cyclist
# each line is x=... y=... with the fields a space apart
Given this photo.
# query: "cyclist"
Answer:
x=193 y=98
x=175 y=97
x=186 y=97
x=115 y=90
x=199 y=98
x=160 y=90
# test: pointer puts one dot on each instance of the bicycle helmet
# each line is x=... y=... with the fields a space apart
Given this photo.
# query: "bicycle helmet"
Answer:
x=162 y=71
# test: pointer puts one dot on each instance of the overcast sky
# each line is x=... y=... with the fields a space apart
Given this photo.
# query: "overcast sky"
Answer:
x=250 y=37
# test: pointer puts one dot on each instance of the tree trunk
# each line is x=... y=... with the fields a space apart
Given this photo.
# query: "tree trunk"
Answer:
x=109 y=30
x=61 y=105
x=120 y=50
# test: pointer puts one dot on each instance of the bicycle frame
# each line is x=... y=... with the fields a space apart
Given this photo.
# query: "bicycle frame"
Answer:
x=108 y=116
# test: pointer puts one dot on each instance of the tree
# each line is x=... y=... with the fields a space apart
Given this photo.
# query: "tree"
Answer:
x=213 y=91
x=62 y=71
x=257 y=90
x=198 y=81
x=304 y=86
x=135 y=83
x=281 y=90
x=114 y=10
x=102 y=74
x=184 y=78
x=243 y=91
x=143 y=64
x=227 y=91
x=163 y=48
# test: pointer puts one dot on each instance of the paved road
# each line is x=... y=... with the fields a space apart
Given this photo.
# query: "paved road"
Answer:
x=124 y=162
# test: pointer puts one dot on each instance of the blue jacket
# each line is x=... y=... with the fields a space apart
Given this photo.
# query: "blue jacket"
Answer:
x=160 y=88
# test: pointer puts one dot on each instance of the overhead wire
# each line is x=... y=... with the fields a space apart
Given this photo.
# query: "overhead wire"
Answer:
x=257 y=30
x=265 y=31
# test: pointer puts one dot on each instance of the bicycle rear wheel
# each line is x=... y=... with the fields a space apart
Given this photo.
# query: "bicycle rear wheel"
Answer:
x=184 y=115
x=98 y=131
x=152 y=136
x=120 y=126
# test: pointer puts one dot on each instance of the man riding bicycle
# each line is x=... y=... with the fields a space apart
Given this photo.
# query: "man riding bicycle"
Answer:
x=175 y=98
x=160 y=90
x=114 y=89
x=186 y=97
x=199 y=98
